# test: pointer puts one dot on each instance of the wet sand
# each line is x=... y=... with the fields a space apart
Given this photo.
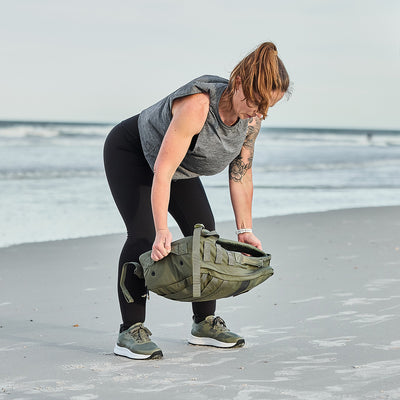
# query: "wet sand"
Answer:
x=326 y=326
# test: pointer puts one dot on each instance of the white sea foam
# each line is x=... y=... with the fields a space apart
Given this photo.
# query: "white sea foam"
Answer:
x=284 y=338
x=17 y=346
x=308 y=299
x=50 y=130
x=371 y=371
x=373 y=319
x=268 y=331
x=343 y=316
x=317 y=359
x=364 y=300
x=333 y=342
x=381 y=284
x=319 y=317
x=394 y=345
x=87 y=396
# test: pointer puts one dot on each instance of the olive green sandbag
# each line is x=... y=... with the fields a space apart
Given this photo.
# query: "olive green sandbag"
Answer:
x=202 y=267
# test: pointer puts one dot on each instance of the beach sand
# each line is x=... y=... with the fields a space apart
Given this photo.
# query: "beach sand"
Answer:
x=325 y=326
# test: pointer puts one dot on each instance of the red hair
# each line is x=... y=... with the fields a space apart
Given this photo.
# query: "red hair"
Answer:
x=260 y=73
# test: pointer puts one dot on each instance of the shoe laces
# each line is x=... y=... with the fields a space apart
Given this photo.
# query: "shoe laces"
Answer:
x=140 y=333
x=219 y=323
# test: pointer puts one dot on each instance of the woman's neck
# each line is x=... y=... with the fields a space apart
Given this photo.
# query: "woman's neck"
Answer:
x=226 y=111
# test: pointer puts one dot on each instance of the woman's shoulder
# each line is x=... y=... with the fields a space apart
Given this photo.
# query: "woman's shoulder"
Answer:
x=195 y=103
x=210 y=79
x=199 y=92
x=210 y=84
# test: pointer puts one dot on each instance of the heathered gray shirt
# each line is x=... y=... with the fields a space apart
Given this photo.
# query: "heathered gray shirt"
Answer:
x=217 y=143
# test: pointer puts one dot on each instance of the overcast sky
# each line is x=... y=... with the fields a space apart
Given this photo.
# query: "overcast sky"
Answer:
x=98 y=60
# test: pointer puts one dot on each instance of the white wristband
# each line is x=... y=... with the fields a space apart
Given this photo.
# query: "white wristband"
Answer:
x=244 y=230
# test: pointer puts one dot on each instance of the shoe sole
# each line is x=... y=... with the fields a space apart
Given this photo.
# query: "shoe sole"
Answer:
x=124 y=352
x=205 y=341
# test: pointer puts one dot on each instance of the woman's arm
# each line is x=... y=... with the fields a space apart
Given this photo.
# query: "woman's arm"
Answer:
x=241 y=184
x=189 y=116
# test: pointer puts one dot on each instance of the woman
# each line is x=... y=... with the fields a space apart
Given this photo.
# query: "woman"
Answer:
x=153 y=162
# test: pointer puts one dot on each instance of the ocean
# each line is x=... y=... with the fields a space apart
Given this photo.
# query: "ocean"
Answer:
x=53 y=185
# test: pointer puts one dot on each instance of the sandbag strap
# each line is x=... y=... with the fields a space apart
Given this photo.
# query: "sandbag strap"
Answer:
x=196 y=262
x=219 y=252
x=125 y=291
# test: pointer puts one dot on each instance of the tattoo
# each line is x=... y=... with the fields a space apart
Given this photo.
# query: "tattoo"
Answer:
x=252 y=132
x=249 y=142
x=238 y=168
x=243 y=162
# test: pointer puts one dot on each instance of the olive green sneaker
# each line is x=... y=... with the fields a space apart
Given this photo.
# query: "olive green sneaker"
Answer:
x=213 y=332
x=135 y=343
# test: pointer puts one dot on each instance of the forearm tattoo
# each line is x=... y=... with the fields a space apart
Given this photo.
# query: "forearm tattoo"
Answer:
x=240 y=165
x=238 y=168
x=252 y=132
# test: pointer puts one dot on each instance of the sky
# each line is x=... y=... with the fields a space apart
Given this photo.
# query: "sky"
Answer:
x=104 y=61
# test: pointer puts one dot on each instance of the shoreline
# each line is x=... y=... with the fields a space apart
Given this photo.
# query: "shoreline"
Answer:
x=324 y=326
x=176 y=232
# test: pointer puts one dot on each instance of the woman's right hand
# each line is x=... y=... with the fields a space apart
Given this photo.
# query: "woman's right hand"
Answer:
x=162 y=244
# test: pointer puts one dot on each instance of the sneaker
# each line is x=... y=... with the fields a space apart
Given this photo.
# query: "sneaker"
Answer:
x=135 y=343
x=213 y=332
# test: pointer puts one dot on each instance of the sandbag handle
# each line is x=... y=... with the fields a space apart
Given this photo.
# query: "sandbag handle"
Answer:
x=241 y=247
x=256 y=258
x=255 y=261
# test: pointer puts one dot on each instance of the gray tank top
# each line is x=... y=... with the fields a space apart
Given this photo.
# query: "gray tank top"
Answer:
x=217 y=143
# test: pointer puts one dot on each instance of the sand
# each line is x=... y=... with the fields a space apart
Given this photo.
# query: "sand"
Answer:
x=325 y=326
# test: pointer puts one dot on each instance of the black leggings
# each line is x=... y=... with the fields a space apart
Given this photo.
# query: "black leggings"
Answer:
x=130 y=179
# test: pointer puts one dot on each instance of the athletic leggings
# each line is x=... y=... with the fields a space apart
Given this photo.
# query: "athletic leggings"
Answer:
x=130 y=179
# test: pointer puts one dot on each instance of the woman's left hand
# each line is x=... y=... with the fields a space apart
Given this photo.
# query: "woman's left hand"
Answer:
x=250 y=238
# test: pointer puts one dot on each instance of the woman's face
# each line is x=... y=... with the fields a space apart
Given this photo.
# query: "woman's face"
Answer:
x=245 y=109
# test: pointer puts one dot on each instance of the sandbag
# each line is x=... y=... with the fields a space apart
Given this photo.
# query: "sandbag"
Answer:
x=202 y=267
